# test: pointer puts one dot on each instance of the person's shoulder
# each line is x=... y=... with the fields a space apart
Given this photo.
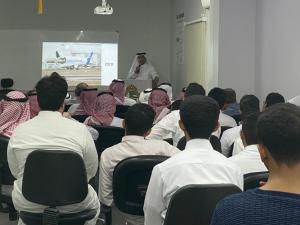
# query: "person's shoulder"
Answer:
x=161 y=145
x=24 y=127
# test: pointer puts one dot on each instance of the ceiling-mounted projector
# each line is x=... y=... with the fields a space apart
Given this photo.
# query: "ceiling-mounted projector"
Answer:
x=104 y=9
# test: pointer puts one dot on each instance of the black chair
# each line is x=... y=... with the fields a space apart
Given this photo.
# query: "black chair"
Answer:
x=80 y=118
x=7 y=179
x=223 y=129
x=169 y=140
x=130 y=181
x=195 y=204
x=252 y=180
x=108 y=136
x=55 y=178
x=214 y=141
x=121 y=111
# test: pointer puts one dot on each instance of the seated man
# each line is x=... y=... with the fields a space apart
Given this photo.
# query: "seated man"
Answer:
x=249 y=104
x=249 y=159
x=272 y=99
x=219 y=96
x=49 y=130
x=231 y=107
x=278 y=201
x=168 y=126
x=197 y=164
x=137 y=124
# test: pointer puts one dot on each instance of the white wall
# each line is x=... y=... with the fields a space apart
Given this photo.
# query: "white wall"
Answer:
x=278 y=47
x=143 y=25
x=237 y=45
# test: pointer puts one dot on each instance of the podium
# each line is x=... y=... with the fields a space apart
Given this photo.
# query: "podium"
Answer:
x=141 y=85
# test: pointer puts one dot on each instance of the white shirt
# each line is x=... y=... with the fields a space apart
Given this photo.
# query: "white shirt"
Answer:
x=238 y=146
x=127 y=101
x=129 y=147
x=226 y=121
x=51 y=131
x=249 y=160
x=228 y=138
x=197 y=164
x=147 y=72
x=162 y=114
x=169 y=125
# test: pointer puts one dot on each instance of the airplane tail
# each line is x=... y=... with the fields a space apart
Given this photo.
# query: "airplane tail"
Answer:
x=89 y=59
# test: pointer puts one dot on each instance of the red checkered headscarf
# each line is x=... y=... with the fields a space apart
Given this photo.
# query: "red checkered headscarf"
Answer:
x=14 y=110
x=105 y=109
x=158 y=100
x=117 y=87
x=87 y=102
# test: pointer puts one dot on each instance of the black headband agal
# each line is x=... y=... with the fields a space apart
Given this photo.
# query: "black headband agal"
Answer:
x=118 y=81
x=141 y=53
x=105 y=93
x=147 y=91
x=8 y=99
x=90 y=89
x=160 y=89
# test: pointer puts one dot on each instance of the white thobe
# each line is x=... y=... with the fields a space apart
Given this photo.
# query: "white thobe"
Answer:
x=51 y=131
x=197 y=164
x=147 y=72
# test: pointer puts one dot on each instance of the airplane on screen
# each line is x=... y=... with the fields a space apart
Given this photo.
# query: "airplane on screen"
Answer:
x=71 y=62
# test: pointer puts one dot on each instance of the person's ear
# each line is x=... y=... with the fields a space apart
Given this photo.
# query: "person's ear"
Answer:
x=181 y=125
x=242 y=135
x=263 y=153
x=148 y=133
x=217 y=126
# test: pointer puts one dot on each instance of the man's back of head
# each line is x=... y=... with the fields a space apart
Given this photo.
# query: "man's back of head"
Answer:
x=194 y=89
x=51 y=92
x=139 y=120
x=230 y=96
x=249 y=131
x=273 y=98
x=249 y=104
x=218 y=95
x=199 y=116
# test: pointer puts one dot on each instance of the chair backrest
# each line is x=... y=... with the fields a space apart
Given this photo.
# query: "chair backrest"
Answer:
x=130 y=181
x=121 y=111
x=54 y=178
x=214 y=141
x=108 y=136
x=7 y=83
x=195 y=204
x=5 y=175
x=252 y=180
x=80 y=118
x=223 y=129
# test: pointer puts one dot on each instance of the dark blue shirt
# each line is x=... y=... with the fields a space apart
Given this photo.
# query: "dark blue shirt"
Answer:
x=232 y=109
x=258 y=207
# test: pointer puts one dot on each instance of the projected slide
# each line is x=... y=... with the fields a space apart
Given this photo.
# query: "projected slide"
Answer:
x=93 y=63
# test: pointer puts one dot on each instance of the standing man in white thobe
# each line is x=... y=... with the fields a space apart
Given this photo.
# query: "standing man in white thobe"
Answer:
x=142 y=69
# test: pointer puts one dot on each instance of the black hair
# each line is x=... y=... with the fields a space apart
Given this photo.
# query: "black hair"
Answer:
x=194 y=89
x=274 y=98
x=79 y=88
x=51 y=92
x=249 y=104
x=219 y=95
x=249 y=129
x=278 y=129
x=230 y=95
x=139 y=119
x=199 y=115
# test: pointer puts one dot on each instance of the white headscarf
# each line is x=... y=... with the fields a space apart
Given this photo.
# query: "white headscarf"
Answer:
x=144 y=96
x=295 y=101
x=168 y=88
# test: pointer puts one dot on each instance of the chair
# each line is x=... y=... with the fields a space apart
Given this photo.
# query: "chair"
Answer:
x=80 y=118
x=55 y=178
x=252 y=180
x=121 y=111
x=130 y=181
x=108 y=136
x=7 y=179
x=195 y=204
x=214 y=141
x=223 y=129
